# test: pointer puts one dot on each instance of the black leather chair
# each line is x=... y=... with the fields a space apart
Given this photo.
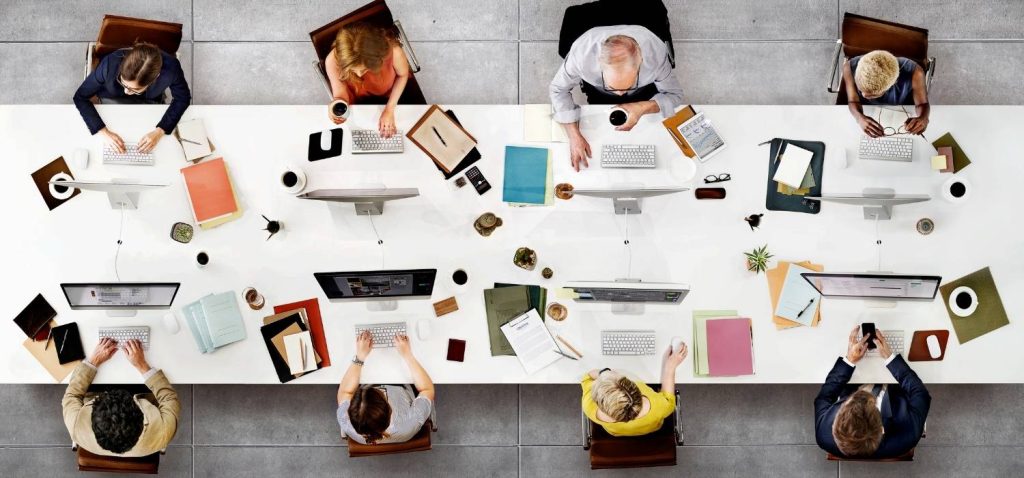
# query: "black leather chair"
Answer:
x=650 y=14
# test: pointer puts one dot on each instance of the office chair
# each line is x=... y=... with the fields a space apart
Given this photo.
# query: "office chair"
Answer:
x=654 y=449
x=650 y=14
x=88 y=461
x=419 y=442
x=121 y=32
x=862 y=34
x=376 y=12
x=908 y=456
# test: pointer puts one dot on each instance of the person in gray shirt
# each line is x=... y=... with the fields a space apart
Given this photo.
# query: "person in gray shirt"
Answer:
x=624 y=65
x=370 y=414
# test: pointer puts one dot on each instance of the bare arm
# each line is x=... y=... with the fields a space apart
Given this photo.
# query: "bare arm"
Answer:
x=350 y=381
x=867 y=124
x=669 y=364
x=402 y=71
x=920 y=123
x=420 y=378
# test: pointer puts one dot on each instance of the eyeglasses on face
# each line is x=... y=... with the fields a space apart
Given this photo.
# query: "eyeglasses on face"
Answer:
x=604 y=84
x=717 y=179
x=129 y=90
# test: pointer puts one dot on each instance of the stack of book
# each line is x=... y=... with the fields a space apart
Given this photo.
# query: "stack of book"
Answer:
x=291 y=345
x=794 y=175
x=215 y=321
x=723 y=344
x=211 y=193
x=528 y=180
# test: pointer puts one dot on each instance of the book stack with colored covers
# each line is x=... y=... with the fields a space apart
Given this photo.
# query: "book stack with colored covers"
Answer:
x=723 y=344
x=215 y=321
x=295 y=340
x=528 y=180
x=211 y=193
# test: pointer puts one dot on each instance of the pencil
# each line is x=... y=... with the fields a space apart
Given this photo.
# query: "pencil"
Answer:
x=568 y=345
x=48 y=335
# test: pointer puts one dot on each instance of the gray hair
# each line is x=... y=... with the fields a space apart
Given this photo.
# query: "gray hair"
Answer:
x=618 y=49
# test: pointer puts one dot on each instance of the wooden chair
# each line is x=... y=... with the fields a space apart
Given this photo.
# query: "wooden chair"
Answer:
x=862 y=34
x=420 y=442
x=655 y=449
x=122 y=32
x=375 y=12
x=650 y=14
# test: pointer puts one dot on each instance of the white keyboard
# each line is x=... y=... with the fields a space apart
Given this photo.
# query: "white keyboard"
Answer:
x=627 y=342
x=627 y=156
x=887 y=149
x=131 y=156
x=383 y=334
x=369 y=141
x=895 y=339
x=122 y=335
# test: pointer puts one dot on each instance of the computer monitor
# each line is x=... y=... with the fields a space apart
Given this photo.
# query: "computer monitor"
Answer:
x=628 y=291
x=877 y=202
x=368 y=202
x=873 y=286
x=626 y=200
x=379 y=287
x=120 y=299
x=122 y=193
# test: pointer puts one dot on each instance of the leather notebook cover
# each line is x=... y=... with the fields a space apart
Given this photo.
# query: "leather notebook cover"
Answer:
x=316 y=326
x=209 y=190
x=316 y=154
x=35 y=315
x=960 y=159
x=472 y=157
x=456 y=350
x=919 y=345
x=68 y=343
x=446 y=153
x=672 y=124
x=43 y=175
x=48 y=357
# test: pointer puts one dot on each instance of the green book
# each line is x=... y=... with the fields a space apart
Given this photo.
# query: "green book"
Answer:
x=538 y=295
x=700 y=337
x=502 y=305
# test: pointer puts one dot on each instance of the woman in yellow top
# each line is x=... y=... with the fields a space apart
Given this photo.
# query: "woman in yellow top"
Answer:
x=627 y=408
x=367 y=64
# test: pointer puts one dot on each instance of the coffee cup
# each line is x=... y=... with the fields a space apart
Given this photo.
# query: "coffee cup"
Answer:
x=557 y=312
x=293 y=180
x=963 y=301
x=202 y=259
x=339 y=109
x=618 y=116
x=956 y=190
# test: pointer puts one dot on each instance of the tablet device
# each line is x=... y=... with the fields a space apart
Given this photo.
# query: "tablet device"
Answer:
x=700 y=134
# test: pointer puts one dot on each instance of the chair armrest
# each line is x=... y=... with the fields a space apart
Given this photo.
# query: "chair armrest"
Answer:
x=88 y=59
x=671 y=54
x=679 y=420
x=587 y=432
x=433 y=418
x=323 y=79
x=414 y=63
x=833 y=84
x=929 y=72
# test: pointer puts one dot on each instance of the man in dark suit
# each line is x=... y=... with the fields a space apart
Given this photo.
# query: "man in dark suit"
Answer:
x=870 y=421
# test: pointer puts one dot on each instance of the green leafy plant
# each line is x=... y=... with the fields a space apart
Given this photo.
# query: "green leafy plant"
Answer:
x=757 y=259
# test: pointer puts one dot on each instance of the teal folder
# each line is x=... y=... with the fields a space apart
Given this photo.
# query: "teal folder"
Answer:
x=215 y=321
x=526 y=171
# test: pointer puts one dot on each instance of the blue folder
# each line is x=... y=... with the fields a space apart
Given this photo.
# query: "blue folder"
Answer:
x=526 y=171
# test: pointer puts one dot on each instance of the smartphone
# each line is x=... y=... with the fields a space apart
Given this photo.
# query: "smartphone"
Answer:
x=867 y=329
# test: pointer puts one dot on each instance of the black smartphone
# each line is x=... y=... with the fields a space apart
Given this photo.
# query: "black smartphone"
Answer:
x=867 y=329
x=477 y=178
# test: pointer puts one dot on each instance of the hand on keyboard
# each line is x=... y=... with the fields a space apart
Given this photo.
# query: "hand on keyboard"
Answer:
x=364 y=345
x=136 y=355
x=386 y=125
x=150 y=139
x=402 y=344
x=103 y=351
x=113 y=139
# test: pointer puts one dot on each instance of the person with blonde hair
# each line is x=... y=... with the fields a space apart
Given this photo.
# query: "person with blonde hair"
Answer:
x=367 y=65
x=881 y=78
x=625 y=407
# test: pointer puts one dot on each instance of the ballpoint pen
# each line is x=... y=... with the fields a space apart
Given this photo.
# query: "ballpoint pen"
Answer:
x=303 y=345
x=48 y=335
x=64 y=341
x=805 y=308
x=190 y=141
x=559 y=352
x=439 y=136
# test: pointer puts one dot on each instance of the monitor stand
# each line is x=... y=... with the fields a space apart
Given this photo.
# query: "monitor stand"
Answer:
x=628 y=308
x=121 y=313
x=382 y=305
x=626 y=205
x=882 y=213
x=121 y=200
x=370 y=208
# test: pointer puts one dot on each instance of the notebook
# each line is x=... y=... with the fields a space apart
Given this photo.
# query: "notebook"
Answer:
x=531 y=340
x=730 y=347
x=273 y=337
x=776 y=277
x=215 y=321
x=299 y=351
x=194 y=142
x=539 y=127
x=47 y=357
x=444 y=140
x=799 y=300
x=527 y=180
x=68 y=343
x=700 y=337
x=311 y=310
x=502 y=305
x=211 y=193
x=793 y=167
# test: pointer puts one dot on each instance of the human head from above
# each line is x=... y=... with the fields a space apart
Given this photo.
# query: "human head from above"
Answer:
x=617 y=396
x=877 y=71
x=857 y=428
x=620 y=63
x=370 y=413
x=362 y=47
x=139 y=68
x=116 y=420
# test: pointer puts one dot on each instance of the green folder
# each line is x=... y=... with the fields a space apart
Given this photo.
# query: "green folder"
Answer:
x=502 y=305
x=960 y=159
x=990 y=314
x=700 y=337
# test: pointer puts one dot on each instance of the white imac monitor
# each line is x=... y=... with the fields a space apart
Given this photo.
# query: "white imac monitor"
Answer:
x=368 y=202
x=627 y=200
x=122 y=193
x=874 y=286
x=877 y=202
x=120 y=299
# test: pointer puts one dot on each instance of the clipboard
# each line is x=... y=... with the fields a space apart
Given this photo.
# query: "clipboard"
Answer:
x=442 y=138
x=672 y=124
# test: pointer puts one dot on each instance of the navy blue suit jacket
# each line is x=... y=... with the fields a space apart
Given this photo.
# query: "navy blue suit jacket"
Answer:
x=908 y=402
x=103 y=82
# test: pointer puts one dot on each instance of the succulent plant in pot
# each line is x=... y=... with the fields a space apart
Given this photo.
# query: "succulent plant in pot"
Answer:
x=757 y=259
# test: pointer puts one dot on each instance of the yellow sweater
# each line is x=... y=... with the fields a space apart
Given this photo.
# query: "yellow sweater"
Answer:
x=663 y=404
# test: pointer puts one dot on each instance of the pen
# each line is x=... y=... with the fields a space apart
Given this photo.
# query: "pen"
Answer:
x=805 y=308
x=48 y=335
x=568 y=345
x=303 y=345
x=439 y=136
x=62 y=342
x=190 y=141
x=559 y=352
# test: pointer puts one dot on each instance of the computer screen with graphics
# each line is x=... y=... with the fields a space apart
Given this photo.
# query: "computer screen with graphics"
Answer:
x=370 y=284
x=120 y=295
x=874 y=286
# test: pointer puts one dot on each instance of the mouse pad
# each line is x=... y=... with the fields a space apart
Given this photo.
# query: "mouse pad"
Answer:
x=316 y=154
x=990 y=314
x=52 y=196
x=919 y=345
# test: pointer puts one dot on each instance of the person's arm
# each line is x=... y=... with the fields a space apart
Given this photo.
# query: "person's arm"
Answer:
x=339 y=90
x=386 y=124
x=919 y=84
x=867 y=124
x=420 y=378
x=567 y=112
x=917 y=395
x=350 y=381
x=74 y=396
x=839 y=377
x=669 y=363
x=92 y=85
x=181 y=99
x=166 y=398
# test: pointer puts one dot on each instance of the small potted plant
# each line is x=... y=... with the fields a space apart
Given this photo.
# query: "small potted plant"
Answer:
x=757 y=259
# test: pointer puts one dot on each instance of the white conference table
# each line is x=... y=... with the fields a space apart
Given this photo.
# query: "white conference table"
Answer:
x=676 y=238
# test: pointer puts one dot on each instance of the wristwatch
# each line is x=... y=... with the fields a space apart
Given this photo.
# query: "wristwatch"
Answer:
x=355 y=360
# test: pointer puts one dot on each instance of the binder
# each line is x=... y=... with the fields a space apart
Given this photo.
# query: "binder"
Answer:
x=730 y=347
x=211 y=193
x=502 y=305
x=527 y=178
x=316 y=325
x=672 y=124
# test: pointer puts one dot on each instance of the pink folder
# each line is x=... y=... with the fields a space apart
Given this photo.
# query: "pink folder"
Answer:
x=730 y=350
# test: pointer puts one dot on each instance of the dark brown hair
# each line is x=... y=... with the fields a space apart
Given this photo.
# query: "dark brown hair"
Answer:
x=370 y=413
x=141 y=64
x=858 y=426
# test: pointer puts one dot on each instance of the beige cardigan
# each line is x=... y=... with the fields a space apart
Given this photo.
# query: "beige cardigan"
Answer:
x=160 y=420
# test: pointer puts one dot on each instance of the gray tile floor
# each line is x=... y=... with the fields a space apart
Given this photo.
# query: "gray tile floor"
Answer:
x=504 y=51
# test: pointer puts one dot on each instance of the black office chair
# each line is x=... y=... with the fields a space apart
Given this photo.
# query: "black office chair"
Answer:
x=653 y=449
x=650 y=14
x=908 y=456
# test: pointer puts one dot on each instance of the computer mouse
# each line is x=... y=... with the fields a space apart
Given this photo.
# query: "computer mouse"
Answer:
x=424 y=329
x=80 y=158
x=677 y=343
x=171 y=323
x=325 y=139
x=934 y=349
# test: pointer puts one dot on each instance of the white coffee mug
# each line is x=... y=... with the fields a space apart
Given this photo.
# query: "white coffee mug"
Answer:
x=293 y=180
x=956 y=190
x=963 y=311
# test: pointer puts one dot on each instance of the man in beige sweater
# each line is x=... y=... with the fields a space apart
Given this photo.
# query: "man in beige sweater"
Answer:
x=115 y=422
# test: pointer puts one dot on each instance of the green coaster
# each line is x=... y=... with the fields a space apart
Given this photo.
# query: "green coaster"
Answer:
x=989 y=315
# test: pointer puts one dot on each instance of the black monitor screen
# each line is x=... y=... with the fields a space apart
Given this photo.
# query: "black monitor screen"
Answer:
x=368 y=284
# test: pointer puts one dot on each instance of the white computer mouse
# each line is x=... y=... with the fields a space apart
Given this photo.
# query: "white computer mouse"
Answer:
x=80 y=158
x=171 y=323
x=424 y=329
x=677 y=343
x=325 y=140
x=934 y=349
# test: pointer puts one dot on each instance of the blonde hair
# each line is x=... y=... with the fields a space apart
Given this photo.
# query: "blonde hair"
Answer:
x=857 y=428
x=362 y=44
x=619 y=49
x=617 y=396
x=877 y=71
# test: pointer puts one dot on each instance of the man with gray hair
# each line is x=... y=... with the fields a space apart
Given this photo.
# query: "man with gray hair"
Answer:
x=624 y=65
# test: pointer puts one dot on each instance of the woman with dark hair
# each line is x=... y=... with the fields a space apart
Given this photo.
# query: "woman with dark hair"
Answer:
x=372 y=414
x=137 y=75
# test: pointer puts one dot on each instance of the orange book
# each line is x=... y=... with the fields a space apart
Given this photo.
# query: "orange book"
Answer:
x=210 y=192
